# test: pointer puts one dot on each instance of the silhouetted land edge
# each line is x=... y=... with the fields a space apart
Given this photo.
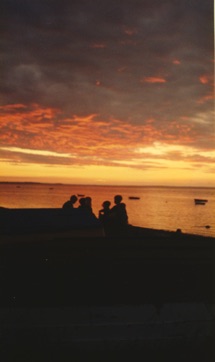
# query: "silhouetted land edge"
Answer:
x=133 y=265
x=20 y=183
x=56 y=222
x=43 y=279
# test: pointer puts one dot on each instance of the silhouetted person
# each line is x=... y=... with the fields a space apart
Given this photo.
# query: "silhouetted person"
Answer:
x=82 y=203
x=88 y=203
x=85 y=209
x=104 y=214
x=118 y=212
x=70 y=203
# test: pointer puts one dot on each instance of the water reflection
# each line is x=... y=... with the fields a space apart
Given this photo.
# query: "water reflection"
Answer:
x=164 y=208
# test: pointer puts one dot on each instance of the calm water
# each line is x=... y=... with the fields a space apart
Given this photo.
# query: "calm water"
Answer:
x=167 y=208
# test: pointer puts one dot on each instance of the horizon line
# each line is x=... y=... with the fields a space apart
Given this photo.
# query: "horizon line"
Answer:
x=99 y=185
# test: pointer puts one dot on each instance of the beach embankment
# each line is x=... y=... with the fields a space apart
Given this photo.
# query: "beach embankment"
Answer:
x=115 y=293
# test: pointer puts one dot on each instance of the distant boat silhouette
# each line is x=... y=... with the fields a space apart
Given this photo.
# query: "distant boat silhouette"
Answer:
x=200 y=201
x=80 y=195
x=134 y=197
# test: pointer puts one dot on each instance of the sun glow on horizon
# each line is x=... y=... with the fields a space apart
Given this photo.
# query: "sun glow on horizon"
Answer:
x=174 y=173
x=42 y=143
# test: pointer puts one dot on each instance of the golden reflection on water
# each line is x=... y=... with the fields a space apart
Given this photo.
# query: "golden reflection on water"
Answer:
x=167 y=208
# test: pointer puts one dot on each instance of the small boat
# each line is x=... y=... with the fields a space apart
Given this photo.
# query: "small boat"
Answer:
x=200 y=201
x=81 y=195
x=134 y=198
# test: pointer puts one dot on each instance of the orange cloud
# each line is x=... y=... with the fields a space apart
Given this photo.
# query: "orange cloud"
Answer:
x=85 y=140
x=11 y=107
x=130 y=31
x=41 y=142
x=98 y=46
x=176 y=62
x=154 y=80
x=206 y=98
x=203 y=79
x=19 y=113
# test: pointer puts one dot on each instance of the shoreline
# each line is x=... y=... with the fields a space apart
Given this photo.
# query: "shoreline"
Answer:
x=150 y=294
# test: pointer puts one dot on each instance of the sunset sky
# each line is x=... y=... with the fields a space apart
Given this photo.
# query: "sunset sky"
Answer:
x=107 y=92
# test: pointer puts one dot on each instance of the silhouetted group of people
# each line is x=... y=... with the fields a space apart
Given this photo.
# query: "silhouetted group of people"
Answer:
x=109 y=216
x=115 y=216
x=85 y=203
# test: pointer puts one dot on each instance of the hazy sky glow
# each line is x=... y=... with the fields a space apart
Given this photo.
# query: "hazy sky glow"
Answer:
x=107 y=92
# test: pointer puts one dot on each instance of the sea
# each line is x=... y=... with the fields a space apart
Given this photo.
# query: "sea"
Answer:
x=162 y=208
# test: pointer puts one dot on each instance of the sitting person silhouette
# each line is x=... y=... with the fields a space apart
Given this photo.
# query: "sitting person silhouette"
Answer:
x=104 y=214
x=88 y=203
x=85 y=208
x=70 y=203
x=118 y=212
x=82 y=203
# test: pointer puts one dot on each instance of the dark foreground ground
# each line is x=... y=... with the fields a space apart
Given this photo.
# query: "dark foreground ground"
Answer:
x=137 y=294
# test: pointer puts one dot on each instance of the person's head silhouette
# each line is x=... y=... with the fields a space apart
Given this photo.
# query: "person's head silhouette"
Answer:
x=82 y=202
x=88 y=201
x=73 y=199
x=117 y=199
x=106 y=204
